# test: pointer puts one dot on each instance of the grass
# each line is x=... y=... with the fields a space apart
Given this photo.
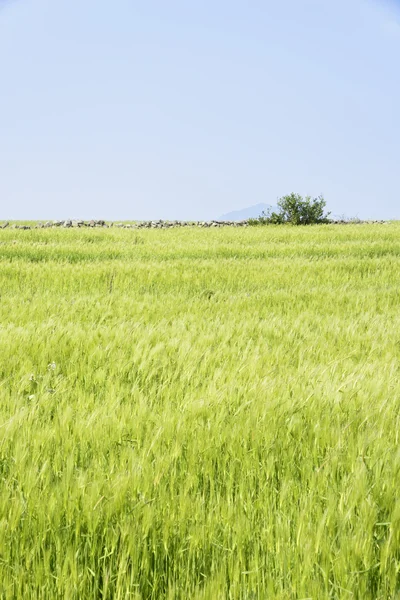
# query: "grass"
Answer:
x=203 y=414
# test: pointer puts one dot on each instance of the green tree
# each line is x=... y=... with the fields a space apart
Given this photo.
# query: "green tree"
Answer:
x=296 y=210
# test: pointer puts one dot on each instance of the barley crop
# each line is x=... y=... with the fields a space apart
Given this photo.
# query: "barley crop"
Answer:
x=200 y=414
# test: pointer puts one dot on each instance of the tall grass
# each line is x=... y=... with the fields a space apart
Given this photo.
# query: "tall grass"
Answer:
x=201 y=414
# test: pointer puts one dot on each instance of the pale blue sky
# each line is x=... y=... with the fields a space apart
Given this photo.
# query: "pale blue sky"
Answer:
x=189 y=109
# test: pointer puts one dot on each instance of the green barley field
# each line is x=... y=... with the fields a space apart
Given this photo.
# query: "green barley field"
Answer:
x=200 y=413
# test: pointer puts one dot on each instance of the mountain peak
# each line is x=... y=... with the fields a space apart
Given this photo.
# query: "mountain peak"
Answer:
x=251 y=212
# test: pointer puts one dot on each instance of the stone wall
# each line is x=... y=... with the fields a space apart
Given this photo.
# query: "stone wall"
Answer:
x=149 y=224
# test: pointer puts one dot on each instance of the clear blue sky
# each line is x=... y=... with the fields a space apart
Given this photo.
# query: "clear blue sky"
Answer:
x=189 y=109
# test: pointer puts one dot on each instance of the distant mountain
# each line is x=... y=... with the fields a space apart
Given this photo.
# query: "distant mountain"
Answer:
x=252 y=212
